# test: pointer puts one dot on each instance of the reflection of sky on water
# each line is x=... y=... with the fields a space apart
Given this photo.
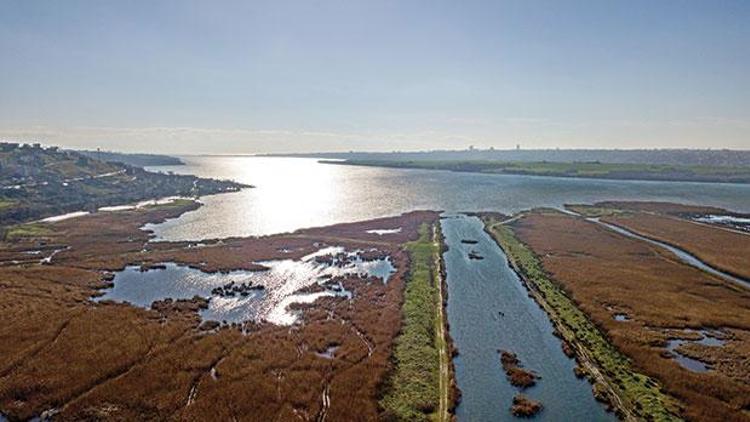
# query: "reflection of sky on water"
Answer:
x=293 y=193
x=723 y=219
x=281 y=281
x=689 y=363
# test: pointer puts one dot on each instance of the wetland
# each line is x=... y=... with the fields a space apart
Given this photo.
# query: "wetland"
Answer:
x=327 y=294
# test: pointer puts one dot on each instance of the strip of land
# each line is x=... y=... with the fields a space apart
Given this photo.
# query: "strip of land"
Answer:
x=585 y=275
x=421 y=386
x=591 y=170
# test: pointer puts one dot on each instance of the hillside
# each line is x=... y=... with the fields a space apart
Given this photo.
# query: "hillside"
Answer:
x=38 y=182
x=138 y=160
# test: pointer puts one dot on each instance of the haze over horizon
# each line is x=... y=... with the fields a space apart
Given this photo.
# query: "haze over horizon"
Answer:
x=279 y=76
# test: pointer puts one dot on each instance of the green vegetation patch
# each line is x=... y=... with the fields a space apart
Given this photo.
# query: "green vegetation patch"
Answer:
x=6 y=203
x=594 y=211
x=640 y=393
x=413 y=390
x=27 y=230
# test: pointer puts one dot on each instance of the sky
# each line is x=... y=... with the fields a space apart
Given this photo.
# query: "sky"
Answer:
x=302 y=76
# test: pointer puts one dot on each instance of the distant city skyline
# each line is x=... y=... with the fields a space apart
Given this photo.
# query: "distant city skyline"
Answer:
x=194 y=77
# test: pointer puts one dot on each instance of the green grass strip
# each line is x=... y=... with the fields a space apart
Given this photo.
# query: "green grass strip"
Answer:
x=413 y=391
x=27 y=230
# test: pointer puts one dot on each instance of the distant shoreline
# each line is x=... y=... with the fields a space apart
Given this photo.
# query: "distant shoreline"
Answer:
x=674 y=157
x=581 y=170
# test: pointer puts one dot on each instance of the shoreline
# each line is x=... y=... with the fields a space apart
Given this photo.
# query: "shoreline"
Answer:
x=406 y=166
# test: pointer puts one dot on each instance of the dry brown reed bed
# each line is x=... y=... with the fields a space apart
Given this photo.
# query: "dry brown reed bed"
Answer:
x=92 y=360
x=722 y=249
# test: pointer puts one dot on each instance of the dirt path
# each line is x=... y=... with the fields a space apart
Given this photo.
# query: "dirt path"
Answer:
x=444 y=386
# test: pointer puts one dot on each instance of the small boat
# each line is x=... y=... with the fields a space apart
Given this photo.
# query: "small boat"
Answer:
x=475 y=255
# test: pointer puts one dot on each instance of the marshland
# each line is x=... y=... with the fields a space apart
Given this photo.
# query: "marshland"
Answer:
x=346 y=319
x=397 y=211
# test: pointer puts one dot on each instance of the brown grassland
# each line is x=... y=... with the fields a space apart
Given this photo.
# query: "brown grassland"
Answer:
x=85 y=360
x=722 y=249
x=726 y=250
x=606 y=273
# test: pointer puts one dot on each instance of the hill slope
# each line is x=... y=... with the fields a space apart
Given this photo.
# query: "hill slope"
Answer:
x=36 y=182
x=139 y=160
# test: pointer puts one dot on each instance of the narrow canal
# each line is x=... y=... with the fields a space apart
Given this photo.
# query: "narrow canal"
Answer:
x=489 y=309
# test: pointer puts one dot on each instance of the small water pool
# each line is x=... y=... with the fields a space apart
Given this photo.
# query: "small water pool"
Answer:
x=621 y=317
x=707 y=339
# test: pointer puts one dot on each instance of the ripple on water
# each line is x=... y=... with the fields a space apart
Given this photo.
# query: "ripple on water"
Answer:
x=281 y=285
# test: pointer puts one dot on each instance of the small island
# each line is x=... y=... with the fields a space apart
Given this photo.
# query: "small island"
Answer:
x=525 y=407
x=517 y=375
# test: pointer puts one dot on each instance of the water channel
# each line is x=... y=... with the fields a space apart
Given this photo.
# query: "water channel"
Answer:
x=489 y=309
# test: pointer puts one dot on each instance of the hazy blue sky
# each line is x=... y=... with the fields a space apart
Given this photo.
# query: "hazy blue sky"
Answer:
x=260 y=76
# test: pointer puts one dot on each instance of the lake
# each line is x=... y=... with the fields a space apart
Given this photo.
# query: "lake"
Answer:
x=293 y=193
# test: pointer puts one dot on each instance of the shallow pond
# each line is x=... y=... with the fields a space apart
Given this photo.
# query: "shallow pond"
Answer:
x=240 y=296
x=489 y=309
x=621 y=317
x=687 y=362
